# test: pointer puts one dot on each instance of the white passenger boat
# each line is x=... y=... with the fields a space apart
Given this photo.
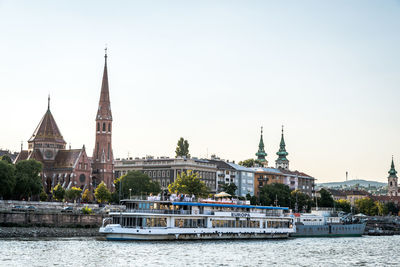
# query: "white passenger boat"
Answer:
x=186 y=219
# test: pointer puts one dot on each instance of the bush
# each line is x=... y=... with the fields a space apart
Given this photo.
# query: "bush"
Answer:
x=43 y=196
x=86 y=210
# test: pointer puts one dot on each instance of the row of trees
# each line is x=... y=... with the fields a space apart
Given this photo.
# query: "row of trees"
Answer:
x=20 y=181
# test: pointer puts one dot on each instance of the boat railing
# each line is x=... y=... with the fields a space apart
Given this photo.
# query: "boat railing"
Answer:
x=155 y=211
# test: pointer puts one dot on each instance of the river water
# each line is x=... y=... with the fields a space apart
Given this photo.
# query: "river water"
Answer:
x=352 y=251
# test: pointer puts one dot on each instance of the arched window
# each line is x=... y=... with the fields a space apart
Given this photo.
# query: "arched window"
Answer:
x=98 y=127
x=109 y=127
x=82 y=178
x=104 y=126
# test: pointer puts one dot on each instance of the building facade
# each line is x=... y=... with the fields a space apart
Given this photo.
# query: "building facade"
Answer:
x=226 y=174
x=164 y=170
x=103 y=159
x=244 y=179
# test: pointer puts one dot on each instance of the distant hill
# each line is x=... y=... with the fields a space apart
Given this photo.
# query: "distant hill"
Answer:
x=350 y=183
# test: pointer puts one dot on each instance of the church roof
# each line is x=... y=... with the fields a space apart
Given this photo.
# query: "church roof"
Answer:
x=104 y=110
x=47 y=130
x=67 y=158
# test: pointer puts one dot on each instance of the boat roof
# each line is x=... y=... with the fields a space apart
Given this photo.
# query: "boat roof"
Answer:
x=227 y=205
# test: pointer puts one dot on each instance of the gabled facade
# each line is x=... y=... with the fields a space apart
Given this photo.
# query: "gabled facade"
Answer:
x=68 y=167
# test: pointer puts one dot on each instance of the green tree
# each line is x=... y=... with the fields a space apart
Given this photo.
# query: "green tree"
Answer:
x=304 y=201
x=87 y=196
x=343 y=205
x=392 y=208
x=58 y=192
x=138 y=182
x=101 y=193
x=271 y=192
x=326 y=199
x=43 y=196
x=188 y=183
x=7 y=159
x=7 y=179
x=247 y=163
x=28 y=180
x=74 y=193
x=229 y=188
x=366 y=206
x=182 y=148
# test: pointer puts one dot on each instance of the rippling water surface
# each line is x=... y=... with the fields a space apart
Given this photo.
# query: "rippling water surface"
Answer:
x=362 y=251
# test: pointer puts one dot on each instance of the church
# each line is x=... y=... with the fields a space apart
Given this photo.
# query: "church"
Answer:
x=73 y=167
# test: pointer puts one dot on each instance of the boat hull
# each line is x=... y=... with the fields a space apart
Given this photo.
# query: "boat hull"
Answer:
x=332 y=230
x=129 y=234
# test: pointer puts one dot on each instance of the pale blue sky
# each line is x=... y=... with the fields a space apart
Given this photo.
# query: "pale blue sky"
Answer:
x=212 y=72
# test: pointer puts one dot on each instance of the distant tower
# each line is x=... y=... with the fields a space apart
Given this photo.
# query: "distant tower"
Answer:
x=261 y=152
x=392 y=181
x=103 y=159
x=282 y=162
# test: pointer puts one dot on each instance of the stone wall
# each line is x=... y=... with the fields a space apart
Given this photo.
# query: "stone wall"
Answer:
x=10 y=218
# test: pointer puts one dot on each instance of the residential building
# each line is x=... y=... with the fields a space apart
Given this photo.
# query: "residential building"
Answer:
x=264 y=176
x=337 y=194
x=226 y=174
x=353 y=195
x=244 y=179
x=164 y=170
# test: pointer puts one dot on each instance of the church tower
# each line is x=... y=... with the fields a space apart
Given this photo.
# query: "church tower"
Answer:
x=282 y=162
x=392 y=181
x=261 y=152
x=103 y=159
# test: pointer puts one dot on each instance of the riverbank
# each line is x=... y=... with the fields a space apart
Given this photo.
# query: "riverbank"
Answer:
x=25 y=232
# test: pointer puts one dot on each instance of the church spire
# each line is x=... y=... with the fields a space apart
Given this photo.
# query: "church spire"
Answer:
x=48 y=102
x=282 y=161
x=261 y=152
x=104 y=110
x=392 y=172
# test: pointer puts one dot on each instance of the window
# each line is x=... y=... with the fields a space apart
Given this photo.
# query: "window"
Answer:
x=108 y=151
x=163 y=174
x=109 y=127
x=104 y=126
x=82 y=178
x=97 y=153
x=98 y=127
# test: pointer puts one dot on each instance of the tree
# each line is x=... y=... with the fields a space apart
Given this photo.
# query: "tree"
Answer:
x=73 y=193
x=87 y=196
x=101 y=193
x=182 y=148
x=58 y=192
x=188 y=183
x=229 y=188
x=7 y=179
x=304 y=201
x=326 y=199
x=28 y=180
x=343 y=205
x=366 y=206
x=138 y=182
x=7 y=159
x=271 y=192
x=247 y=163
x=392 y=208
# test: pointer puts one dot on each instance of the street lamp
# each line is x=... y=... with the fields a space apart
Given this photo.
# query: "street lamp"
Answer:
x=130 y=191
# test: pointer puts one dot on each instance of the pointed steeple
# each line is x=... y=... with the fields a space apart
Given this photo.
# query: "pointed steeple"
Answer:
x=261 y=152
x=282 y=161
x=47 y=130
x=392 y=172
x=104 y=110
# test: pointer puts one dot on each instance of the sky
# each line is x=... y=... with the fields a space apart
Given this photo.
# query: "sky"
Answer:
x=212 y=72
